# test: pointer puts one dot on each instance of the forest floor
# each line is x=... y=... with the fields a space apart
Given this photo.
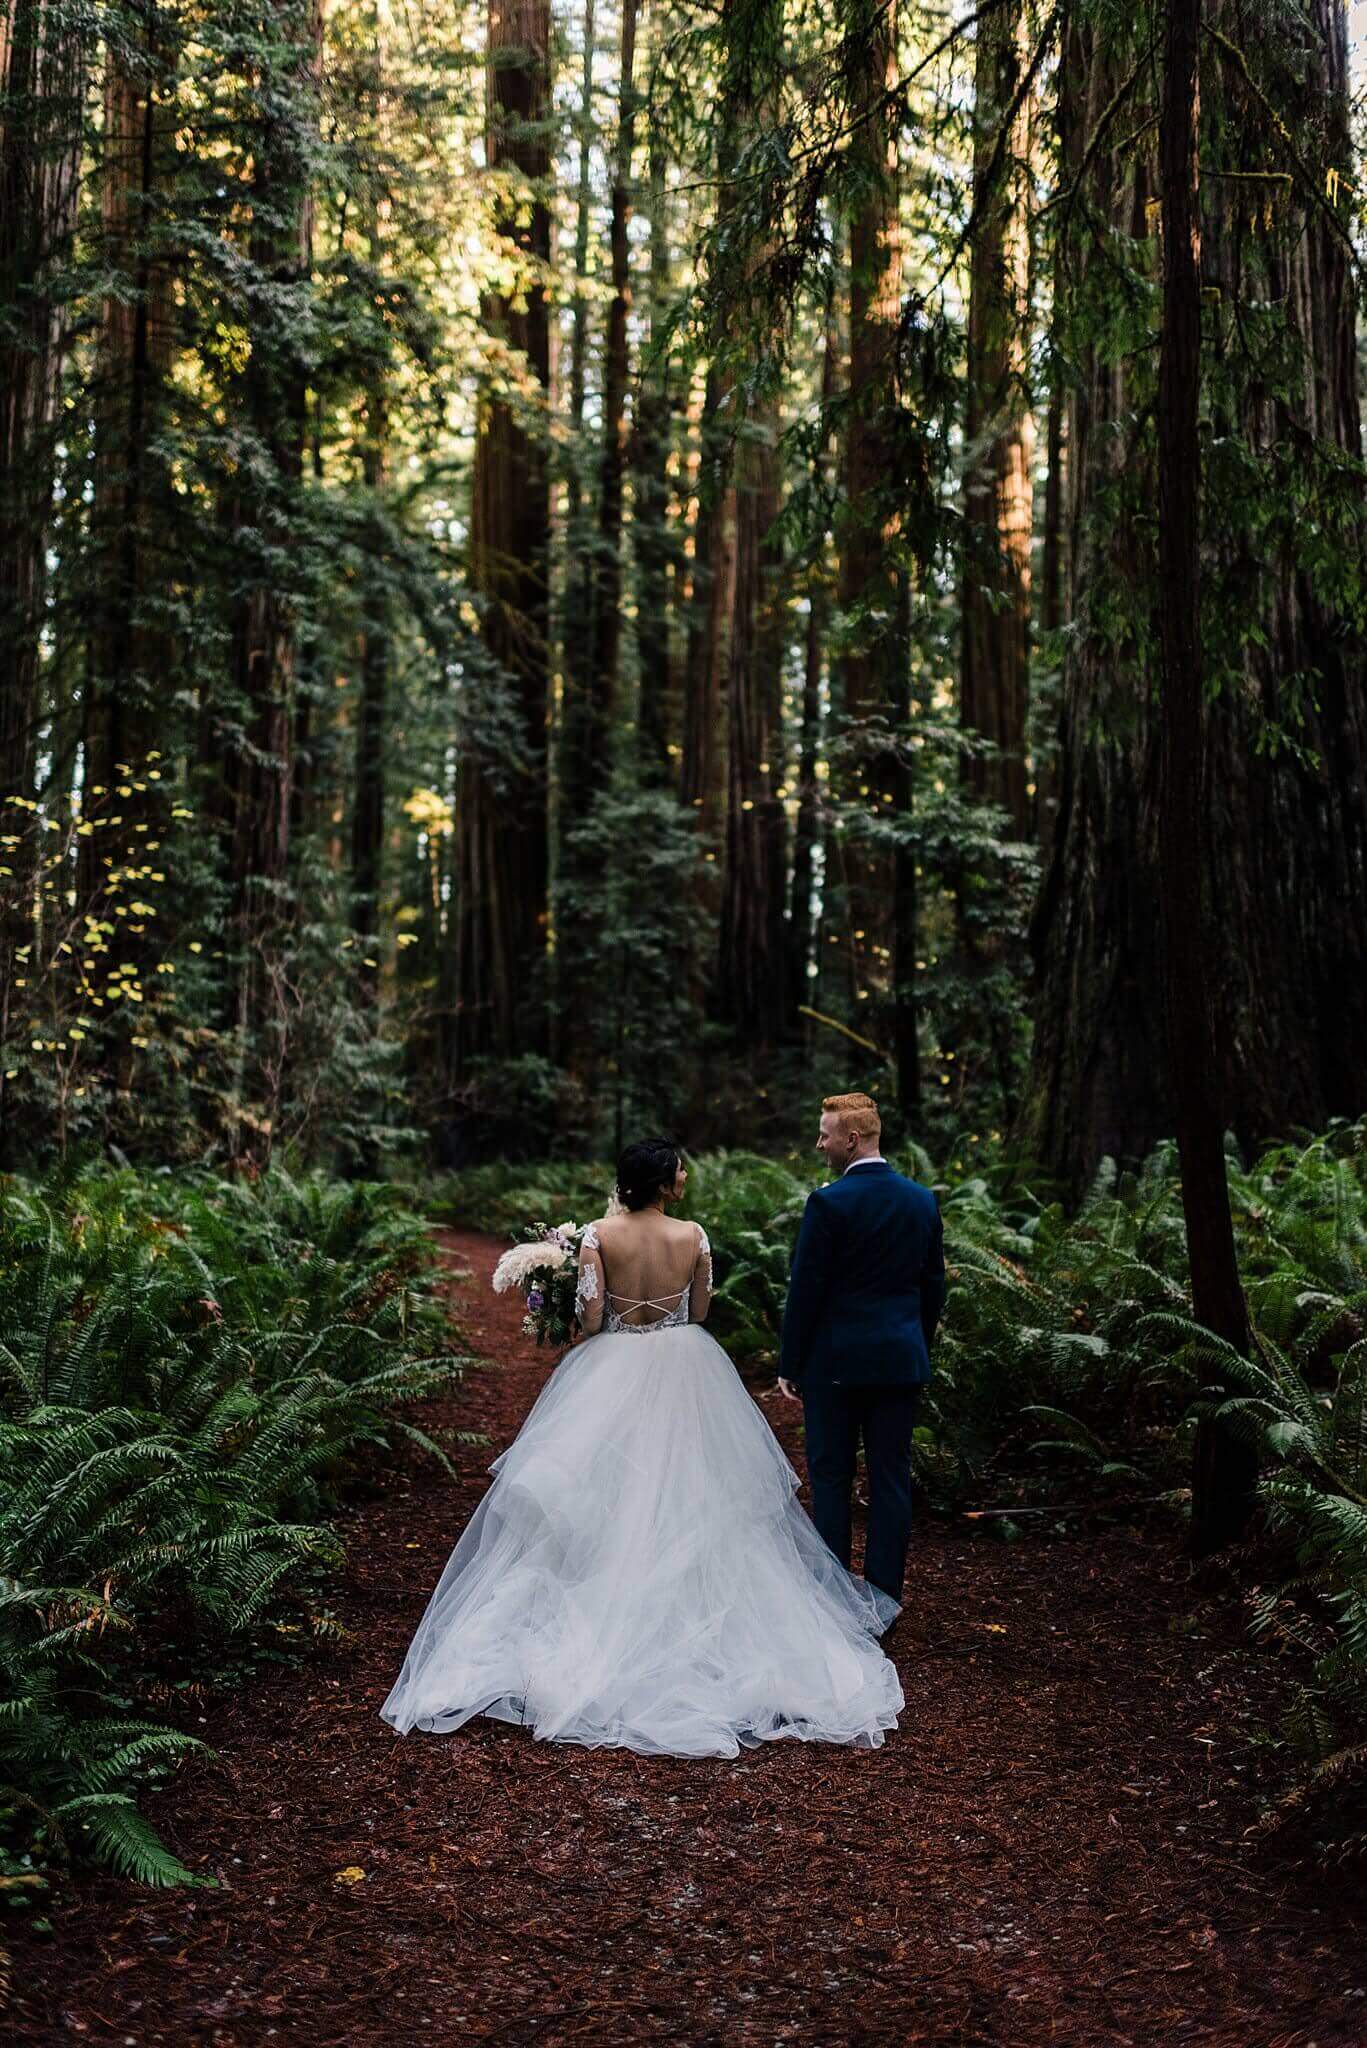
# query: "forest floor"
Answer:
x=1050 y=1848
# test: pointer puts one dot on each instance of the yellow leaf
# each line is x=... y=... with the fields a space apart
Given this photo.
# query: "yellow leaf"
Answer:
x=353 y=1874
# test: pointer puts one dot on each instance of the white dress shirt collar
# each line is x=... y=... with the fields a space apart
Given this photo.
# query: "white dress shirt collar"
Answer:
x=869 y=1159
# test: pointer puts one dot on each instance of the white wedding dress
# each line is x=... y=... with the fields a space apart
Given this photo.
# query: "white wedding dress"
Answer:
x=640 y=1574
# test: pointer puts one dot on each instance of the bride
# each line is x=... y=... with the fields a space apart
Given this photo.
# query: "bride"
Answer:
x=640 y=1573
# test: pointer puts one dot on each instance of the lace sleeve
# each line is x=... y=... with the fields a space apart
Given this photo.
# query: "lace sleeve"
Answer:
x=588 y=1294
x=700 y=1293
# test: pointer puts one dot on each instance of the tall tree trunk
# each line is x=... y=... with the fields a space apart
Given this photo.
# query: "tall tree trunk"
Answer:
x=42 y=82
x=275 y=403
x=130 y=670
x=501 y=803
x=872 y=670
x=1051 y=611
x=803 y=950
x=906 y=1040
x=1287 y=915
x=576 y=768
x=374 y=651
x=1225 y=1469
x=703 y=765
x=651 y=538
x=1054 y=566
x=999 y=429
x=607 y=632
x=313 y=691
x=368 y=802
x=574 y=783
x=372 y=731
x=752 y=978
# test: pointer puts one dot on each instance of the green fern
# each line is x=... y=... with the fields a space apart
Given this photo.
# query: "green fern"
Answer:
x=110 y=1828
x=190 y=1368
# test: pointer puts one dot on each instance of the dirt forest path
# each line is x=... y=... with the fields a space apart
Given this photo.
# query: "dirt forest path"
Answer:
x=1050 y=1848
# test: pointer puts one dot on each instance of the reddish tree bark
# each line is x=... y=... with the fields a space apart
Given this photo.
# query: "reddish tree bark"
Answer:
x=501 y=805
x=129 y=653
x=1286 y=915
x=607 y=609
x=803 y=951
x=999 y=429
x=1225 y=1468
x=702 y=769
x=873 y=669
x=656 y=547
x=751 y=971
x=42 y=79
x=258 y=771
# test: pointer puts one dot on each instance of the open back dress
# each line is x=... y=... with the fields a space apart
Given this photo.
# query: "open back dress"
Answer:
x=640 y=1572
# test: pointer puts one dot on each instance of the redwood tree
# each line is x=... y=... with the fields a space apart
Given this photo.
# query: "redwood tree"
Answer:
x=703 y=756
x=1285 y=784
x=872 y=672
x=751 y=971
x=1225 y=1468
x=271 y=427
x=130 y=653
x=655 y=544
x=808 y=827
x=999 y=426
x=607 y=606
x=751 y=979
x=501 y=797
x=41 y=86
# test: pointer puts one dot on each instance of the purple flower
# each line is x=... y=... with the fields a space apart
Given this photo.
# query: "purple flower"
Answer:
x=535 y=1298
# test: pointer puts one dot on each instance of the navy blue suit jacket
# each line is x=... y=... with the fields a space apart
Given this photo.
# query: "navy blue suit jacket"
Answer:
x=867 y=1282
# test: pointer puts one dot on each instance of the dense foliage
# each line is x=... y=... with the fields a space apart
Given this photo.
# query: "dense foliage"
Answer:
x=594 y=588
x=190 y=1370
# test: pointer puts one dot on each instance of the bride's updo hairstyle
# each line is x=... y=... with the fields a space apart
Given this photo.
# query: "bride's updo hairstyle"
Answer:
x=645 y=1168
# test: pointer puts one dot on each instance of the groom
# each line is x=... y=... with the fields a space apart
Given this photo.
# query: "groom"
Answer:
x=865 y=1293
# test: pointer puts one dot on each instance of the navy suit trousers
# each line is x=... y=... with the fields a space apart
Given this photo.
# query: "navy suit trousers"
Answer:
x=836 y=1417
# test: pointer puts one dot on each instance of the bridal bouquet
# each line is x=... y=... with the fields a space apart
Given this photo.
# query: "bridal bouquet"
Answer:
x=545 y=1267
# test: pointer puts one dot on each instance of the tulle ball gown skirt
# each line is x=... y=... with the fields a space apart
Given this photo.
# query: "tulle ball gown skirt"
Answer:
x=640 y=1574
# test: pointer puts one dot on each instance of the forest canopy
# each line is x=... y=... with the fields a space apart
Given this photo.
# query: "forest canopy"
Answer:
x=564 y=569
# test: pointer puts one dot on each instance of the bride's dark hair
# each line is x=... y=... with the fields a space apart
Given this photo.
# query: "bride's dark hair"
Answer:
x=643 y=1169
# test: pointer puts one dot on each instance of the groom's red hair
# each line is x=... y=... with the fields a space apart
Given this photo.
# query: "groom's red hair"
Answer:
x=858 y=1114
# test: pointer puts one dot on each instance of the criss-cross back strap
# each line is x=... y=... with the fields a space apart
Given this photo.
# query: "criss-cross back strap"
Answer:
x=628 y=1302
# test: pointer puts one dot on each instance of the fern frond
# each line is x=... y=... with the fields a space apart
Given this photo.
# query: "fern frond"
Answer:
x=109 y=1826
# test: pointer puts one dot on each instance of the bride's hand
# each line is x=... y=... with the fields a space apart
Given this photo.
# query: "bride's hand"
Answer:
x=788 y=1390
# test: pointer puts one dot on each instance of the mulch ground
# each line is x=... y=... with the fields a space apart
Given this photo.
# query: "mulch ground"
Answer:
x=1050 y=1848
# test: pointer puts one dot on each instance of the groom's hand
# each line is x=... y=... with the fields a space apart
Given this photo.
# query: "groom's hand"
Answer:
x=788 y=1390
